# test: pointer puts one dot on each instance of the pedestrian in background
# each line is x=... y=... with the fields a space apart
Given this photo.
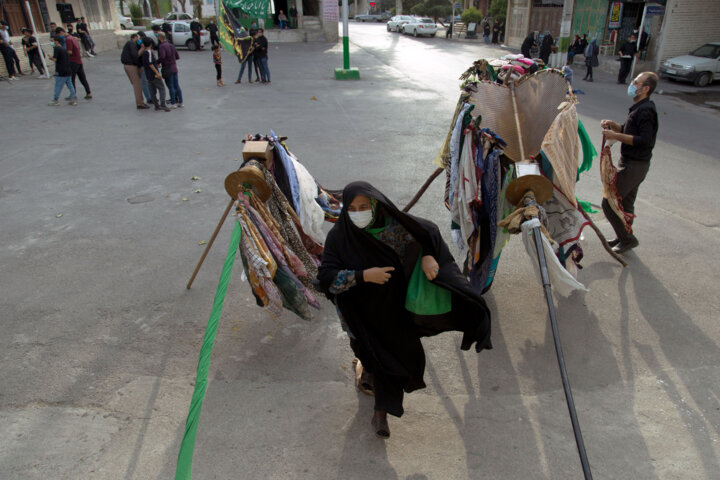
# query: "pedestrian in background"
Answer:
x=293 y=17
x=8 y=51
x=527 y=45
x=213 y=30
x=168 y=56
x=63 y=73
x=143 y=79
x=130 y=58
x=33 y=52
x=627 y=52
x=637 y=136
x=154 y=78
x=591 y=59
x=496 y=32
x=546 y=48
x=76 y=66
x=217 y=60
x=486 y=31
x=248 y=62
x=85 y=38
x=261 y=54
x=195 y=28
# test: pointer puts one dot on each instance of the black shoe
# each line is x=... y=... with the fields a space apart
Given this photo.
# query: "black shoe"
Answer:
x=143 y=107
x=623 y=247
x=612 y=243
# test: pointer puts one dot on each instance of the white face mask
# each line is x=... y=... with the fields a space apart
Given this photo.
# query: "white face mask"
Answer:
x=361 y=219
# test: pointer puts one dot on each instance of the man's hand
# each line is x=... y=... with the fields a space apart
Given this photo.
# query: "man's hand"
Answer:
x=430 y=267
x=610 y=125
x=610 y=135
x=379 y=275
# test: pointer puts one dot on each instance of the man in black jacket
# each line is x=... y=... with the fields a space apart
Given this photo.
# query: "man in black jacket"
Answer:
x=195 y=28
x=637 y=136
x=63 y=74
x=261 y=55
x=213 y=30
x=627 y=52
x=130 y=58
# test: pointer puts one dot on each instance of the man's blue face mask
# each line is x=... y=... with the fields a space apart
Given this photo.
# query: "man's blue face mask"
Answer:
x=139 y=42
x=632 y=90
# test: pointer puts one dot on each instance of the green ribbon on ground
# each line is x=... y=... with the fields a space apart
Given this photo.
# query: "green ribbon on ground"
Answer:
x=183 y=471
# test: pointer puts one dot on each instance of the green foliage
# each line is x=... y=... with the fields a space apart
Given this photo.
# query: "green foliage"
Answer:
x=498 y=10
x=439 y=11
x=418 y=10
x=136 y=10
x=472 y=15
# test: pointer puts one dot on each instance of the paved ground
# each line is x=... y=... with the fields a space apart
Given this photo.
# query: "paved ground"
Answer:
x=101 y=337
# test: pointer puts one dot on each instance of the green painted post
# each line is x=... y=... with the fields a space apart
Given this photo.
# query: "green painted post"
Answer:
x=346 y=73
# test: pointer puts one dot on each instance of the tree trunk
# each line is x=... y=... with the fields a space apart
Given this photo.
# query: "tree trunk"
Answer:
x=155 y=11
x=398 y=7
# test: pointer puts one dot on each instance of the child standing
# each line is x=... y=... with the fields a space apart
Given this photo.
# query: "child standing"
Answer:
x=217 y=60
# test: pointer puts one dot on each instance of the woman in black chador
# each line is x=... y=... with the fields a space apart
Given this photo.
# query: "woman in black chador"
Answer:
x=393 y=280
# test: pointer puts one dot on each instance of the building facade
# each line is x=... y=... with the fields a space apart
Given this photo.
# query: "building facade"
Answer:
x=671 y=27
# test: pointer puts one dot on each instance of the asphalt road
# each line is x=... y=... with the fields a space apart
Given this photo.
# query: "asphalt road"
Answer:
x=101 y=222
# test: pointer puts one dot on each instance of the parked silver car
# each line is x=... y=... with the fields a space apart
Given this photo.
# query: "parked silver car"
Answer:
x=395 y=24
x=701 y=66
x=182 y=36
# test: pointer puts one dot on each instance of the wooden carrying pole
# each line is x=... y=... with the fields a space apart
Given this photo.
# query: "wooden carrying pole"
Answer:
x=210 y=242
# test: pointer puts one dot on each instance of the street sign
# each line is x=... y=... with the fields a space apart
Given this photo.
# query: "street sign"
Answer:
x=458 y=5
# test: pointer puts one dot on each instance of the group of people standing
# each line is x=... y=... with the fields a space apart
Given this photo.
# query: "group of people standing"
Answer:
x=68 y=66
x=258 y=57
x=150 y=72
x=495 y=33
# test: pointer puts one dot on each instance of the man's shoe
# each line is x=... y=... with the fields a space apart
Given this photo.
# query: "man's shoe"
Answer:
x=54 y=103
x=181 y=105
x=612 y=243
x=623 y=247
x=90 y=55
x=238 y=81
x=73 y=102
x=88 y=96
x=143 y=107
x=68 y=98
x=173 y=106
x=164 y=108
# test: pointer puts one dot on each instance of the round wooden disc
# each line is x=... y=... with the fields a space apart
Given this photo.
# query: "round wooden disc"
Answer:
x=248 y=174
x=542 y=187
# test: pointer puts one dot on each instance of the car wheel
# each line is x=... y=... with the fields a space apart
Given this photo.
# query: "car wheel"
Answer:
x=703 y=79
x=191 y=45
x=415 y=33
x=433 y=35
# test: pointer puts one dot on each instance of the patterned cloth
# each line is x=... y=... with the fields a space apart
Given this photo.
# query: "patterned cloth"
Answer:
x=561 y=146
x=608 y=176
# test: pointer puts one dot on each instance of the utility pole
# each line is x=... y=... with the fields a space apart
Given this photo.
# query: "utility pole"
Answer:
x=346 y=73
x=565 y=32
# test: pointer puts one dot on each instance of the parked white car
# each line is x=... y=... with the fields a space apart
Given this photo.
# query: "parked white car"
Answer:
x=182 y=36
x=173 y=17
x=420 y=26
x=126 y=23
x=395 y=23
x=701 y=66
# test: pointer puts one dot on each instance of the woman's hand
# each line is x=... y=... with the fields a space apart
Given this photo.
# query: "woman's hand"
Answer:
x=430 y=267
x=379 y=275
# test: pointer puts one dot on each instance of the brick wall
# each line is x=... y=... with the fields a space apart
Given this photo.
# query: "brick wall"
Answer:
x=687 y=25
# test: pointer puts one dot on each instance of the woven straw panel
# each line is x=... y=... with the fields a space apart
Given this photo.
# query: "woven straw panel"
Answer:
x=538 y=97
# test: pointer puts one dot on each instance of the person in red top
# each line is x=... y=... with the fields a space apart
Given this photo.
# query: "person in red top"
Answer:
x=73 y=48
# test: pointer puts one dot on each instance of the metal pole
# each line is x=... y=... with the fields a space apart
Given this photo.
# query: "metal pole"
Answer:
x=40 y=51
x=346 y=38
x=537 y=235
x=637 y=46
